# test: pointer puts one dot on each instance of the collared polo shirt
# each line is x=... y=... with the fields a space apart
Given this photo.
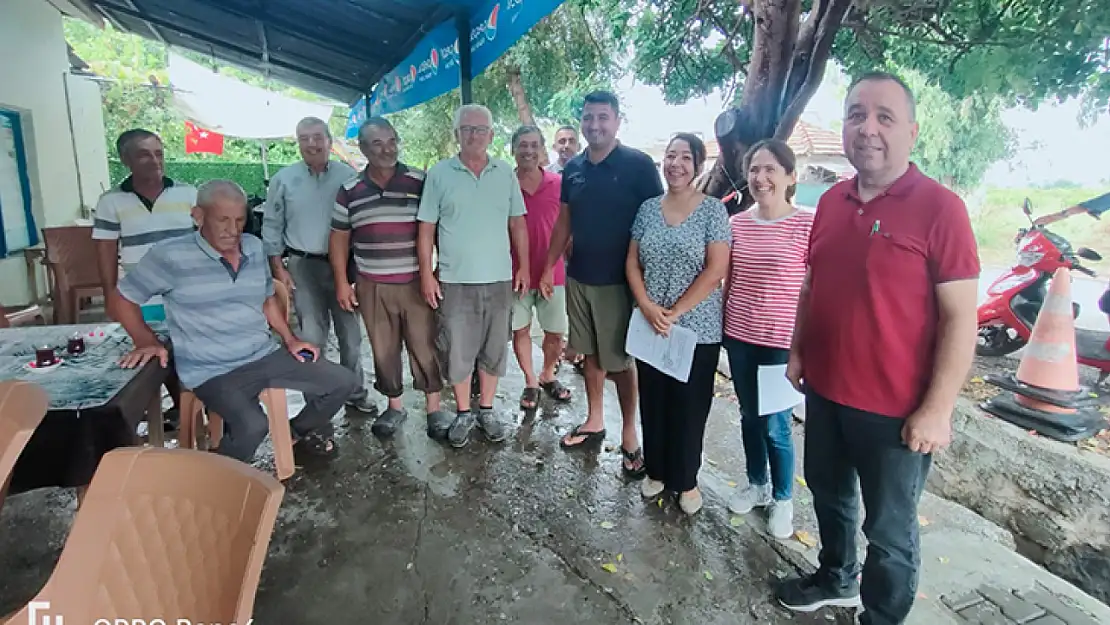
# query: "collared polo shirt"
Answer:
x=472 y=217
x=214 y=313
x=299 y=206
x=382 y=223
x=137 y=223
x=604 y=199
x=870 y=329
x=543 y=211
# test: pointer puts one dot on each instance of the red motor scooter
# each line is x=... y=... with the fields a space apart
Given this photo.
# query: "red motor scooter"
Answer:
x=1015 y=299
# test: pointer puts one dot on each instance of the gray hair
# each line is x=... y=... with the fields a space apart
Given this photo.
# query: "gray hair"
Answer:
x=123 y=143
x=314 y=121
x=375 y=122
x=470 y=108
x=215 y=190
x=525 y=130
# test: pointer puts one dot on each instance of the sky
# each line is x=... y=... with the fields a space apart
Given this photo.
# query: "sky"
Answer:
x=1051 y=144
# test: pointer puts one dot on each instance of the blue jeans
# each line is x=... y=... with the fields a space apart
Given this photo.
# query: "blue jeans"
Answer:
x=767 y=439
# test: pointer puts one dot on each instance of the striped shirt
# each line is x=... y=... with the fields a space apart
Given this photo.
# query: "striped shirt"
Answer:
x=382 y=223
x=767 y=267
x=138 y=223
x=213 y=312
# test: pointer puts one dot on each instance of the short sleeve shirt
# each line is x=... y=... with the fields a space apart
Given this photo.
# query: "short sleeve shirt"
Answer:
x=543 y=212
x=382 y=223
x=603 y=199
x=214 y=312
x=674 y=256
x=137 y=223
x=870 y=329
x=472 y=214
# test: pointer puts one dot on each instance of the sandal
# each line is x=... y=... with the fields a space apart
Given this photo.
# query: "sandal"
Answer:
x=591 y=438
x=579 y=364
x=555 y=390
x=530 y=398
x=636 y=459
x=315 y=445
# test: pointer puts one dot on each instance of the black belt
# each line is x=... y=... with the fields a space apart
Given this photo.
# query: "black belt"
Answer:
x=296 y=252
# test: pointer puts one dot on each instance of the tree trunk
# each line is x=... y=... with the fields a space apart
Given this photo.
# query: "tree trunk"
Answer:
x=787 y=65
x=520 y=98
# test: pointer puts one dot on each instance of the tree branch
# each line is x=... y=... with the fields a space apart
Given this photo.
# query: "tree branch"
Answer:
x=819 y=57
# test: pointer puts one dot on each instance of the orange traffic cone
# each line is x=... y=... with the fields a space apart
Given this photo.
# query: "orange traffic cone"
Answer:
x=1049 y=361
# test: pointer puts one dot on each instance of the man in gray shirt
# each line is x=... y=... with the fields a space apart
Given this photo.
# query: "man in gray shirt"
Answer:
x=297 y=221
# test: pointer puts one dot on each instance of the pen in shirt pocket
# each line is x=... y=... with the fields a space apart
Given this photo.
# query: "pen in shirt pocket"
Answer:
x=874 y=228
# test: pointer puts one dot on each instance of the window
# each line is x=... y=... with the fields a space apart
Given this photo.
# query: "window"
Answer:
x=16 y=220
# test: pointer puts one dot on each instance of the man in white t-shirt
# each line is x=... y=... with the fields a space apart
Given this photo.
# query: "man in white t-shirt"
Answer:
x=146 y=208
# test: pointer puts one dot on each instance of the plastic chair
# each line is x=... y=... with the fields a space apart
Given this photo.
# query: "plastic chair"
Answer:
x=32 y=315
x=71 y=259
x=163 y=534
x=22 y=407
x=277 y=410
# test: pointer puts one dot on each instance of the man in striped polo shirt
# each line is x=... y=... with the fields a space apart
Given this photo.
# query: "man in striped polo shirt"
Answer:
x=147 y=207
x=219 y=293
x=377 y=213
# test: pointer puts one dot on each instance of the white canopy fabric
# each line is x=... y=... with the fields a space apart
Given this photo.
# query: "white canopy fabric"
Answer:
x=234 y=108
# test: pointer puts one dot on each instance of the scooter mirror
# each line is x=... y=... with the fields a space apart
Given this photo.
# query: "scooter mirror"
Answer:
x=1088 y=254
x=1027 y=207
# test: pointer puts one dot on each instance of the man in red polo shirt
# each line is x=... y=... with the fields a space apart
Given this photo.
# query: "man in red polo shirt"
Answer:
x=884 y=339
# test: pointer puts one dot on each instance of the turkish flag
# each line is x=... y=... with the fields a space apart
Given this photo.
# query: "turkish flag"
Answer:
x=198 y=140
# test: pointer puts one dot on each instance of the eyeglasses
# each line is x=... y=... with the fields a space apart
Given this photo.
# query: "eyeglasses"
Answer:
x=476 y=130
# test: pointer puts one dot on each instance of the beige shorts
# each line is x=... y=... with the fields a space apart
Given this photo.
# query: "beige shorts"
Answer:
x=599 y=318
x=551 y=313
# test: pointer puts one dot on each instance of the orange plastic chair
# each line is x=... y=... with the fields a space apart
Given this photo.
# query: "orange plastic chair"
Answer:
x=163 y=534
x=22 y=407
x=277 y=409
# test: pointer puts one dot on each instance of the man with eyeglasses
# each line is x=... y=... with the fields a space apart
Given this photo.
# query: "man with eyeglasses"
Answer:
x=297 y=222
x=471 y=207
x=376 y=211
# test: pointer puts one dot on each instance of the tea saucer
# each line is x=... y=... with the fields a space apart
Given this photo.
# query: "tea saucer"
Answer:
x=31 y=365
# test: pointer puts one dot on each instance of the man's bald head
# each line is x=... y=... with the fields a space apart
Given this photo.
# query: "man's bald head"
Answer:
x=221 y=213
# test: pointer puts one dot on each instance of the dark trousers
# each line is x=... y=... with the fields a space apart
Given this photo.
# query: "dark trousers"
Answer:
x=234 y=396
x=848 y=451
x=673 y=416
x=767 y=438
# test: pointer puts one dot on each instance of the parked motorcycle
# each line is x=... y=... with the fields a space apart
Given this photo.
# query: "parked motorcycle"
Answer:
x=1015 y=299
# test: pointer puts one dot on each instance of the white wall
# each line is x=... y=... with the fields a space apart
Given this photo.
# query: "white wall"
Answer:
x=33 y=75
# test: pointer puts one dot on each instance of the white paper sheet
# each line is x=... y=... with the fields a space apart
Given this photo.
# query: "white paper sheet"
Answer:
x=672 y=354
x=776 y=393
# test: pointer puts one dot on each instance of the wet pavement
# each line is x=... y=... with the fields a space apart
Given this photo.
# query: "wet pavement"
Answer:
x=410 y=531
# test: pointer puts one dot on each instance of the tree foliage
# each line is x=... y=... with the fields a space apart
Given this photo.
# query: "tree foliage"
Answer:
x=774 y=53
x=566 y=55
x=136 y=92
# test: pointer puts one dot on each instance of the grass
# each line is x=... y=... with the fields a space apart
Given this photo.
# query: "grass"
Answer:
x=996 y=216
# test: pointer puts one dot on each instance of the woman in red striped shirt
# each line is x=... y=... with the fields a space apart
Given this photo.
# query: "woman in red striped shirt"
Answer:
x=767 y=266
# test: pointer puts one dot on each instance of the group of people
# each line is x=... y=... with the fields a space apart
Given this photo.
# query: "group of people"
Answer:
x=869 y=302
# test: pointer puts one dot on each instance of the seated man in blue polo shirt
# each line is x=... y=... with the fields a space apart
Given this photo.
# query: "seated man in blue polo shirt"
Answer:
x=220 y=304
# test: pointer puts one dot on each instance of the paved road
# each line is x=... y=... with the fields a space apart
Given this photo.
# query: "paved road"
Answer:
x=1085 y=291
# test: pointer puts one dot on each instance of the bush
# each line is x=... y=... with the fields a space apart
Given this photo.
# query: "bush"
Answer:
x=247 y=175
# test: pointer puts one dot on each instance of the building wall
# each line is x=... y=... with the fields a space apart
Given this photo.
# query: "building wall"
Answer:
x=34 y=72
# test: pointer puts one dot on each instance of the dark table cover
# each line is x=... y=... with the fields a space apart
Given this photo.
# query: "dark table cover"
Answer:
x=95 y=405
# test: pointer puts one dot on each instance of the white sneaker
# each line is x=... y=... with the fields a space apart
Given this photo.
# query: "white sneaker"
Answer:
x=781 y=519
x=751 y=497
x=651 y=488
x=690 y=502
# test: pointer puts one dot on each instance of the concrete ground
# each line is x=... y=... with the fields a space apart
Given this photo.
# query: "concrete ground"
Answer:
x=411 y=531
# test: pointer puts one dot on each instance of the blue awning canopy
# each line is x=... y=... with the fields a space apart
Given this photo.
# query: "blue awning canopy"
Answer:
x=401 y=52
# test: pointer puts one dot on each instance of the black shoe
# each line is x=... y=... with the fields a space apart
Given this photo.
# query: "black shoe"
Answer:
x=386 y=425
x=808 y=594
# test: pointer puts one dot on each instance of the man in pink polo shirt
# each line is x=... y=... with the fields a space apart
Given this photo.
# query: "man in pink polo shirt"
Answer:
x=541 y=198
x=884 y=339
